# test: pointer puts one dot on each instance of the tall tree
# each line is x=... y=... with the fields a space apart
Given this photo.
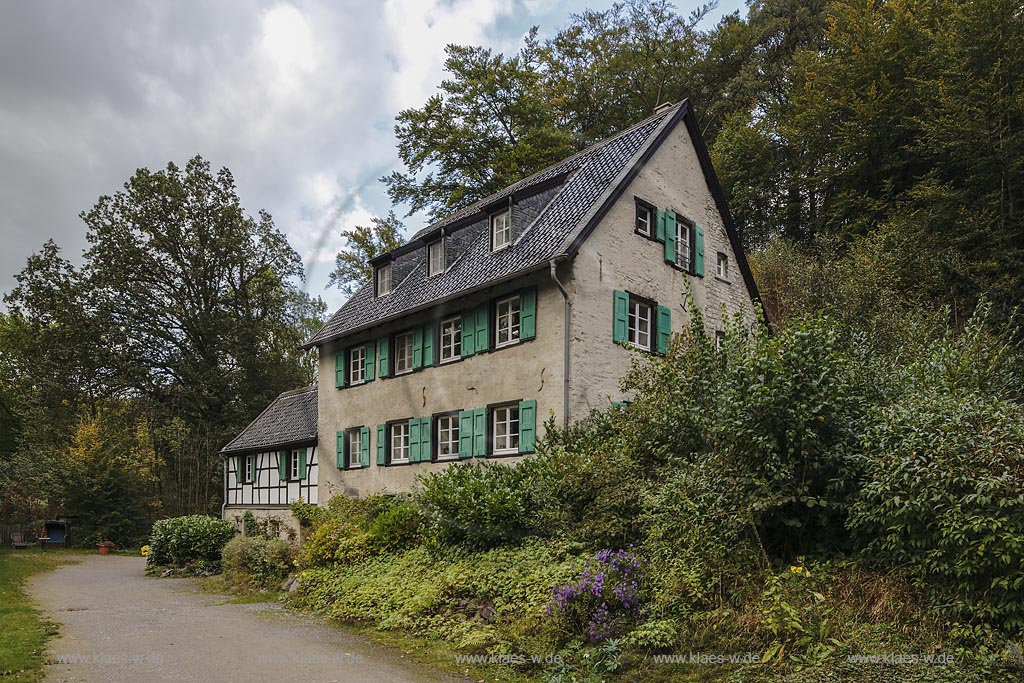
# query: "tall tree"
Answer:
x=488 y=126
x=363 y=243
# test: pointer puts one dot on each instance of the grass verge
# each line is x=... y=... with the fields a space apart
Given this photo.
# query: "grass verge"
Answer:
x=23 y=630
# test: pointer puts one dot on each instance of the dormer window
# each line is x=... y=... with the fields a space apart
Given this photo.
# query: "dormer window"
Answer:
x=501 y=230
x=435 y=258
x=384 y=279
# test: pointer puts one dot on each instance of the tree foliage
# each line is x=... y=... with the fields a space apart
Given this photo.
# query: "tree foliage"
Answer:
x=352 y=267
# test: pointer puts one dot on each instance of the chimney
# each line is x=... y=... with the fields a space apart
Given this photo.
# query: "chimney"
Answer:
x=663 y=106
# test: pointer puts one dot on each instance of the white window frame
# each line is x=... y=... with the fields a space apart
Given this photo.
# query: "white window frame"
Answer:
x=722 y=265
x=501 y=226
x=507 y=418
x=684 y=245
x=292 y=468
x=447 y=431
x=401 y=369
x=354 y=443
x=401 y=443
x=435 y=258
x=644 y=208
x=635 y=324
x=383 y=279
x=508 y=322
x=249 y=469
x=719 y=340
x=357 y=352
x=451 y=340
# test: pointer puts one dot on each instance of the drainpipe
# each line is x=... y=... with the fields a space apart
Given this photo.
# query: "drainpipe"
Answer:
x=565 y=359
x=225 y=503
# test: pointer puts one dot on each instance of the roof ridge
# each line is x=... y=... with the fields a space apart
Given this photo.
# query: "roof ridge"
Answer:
x=526 y=182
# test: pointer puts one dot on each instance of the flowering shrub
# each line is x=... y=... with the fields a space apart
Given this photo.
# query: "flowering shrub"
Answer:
x=605 y=599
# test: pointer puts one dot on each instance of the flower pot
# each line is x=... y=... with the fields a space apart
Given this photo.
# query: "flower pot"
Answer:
x=105 y=548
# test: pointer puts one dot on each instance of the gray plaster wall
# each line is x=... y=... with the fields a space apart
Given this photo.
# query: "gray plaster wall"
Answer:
x=614 y=257
x=529 y=370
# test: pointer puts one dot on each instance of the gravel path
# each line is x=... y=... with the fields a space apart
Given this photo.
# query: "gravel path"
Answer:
x=119 y=625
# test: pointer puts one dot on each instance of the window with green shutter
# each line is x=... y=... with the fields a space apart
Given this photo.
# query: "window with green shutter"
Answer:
x=282 y=465
x=364 y=446
x=466 y=434
x=302 y=463
x=527 y=426
x=370 y=359
x=698 y=259
x=480 y=432
x=670 y=237
x=664 y=328
x=339 y=450
x=381 y=446
x=620 y=316
x=483 y=319
x=383 y=366
x=428 y=346
x=468 y=334
x=528 y=314
x=339 y=369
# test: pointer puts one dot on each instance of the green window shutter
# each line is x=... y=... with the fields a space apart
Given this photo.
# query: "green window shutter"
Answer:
x=302 y=463
x=384 y=368
x=527 y=426
x=466 y=434
x=528 y=314
x=620 y=312
x=483 y=319
x=664 y=328
x=282 y=465
x=428 y=346
x=698 y=259
x=468 y=334
x=339 y=450
x=239 y=469
x=417 y=349
x=381 y=442
x=670 y=237
x=339 y=369
x=426 y=439
x=480 y=432
x=414 y=439
x=371 y=361
x=659 y=231
x=364 y=446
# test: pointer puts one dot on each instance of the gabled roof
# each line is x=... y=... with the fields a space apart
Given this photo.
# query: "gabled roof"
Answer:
x=589 y=181
x=290 y=419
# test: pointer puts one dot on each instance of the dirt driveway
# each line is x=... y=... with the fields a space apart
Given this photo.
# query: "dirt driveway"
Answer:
x=119 y=625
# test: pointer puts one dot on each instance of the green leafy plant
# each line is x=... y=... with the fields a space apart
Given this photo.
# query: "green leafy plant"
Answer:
x=180 y=540
x=256 y=562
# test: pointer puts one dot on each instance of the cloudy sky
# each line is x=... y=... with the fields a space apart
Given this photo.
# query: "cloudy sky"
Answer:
x=297 y=98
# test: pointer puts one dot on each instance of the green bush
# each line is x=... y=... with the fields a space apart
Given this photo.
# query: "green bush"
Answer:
x=335 y=541
x=484 y=505
x=256 y=562
x=180 y=540
x=945 y=496
x=310 y=516
x=397 y=527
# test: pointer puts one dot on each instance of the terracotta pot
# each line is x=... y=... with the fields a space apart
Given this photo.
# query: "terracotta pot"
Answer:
x=105 y=548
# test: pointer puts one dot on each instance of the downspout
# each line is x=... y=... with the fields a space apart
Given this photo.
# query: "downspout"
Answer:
x=224 y=505
x=565 y=359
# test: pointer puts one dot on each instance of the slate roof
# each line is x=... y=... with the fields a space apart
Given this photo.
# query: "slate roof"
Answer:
x=290 y=419
x=591 y=176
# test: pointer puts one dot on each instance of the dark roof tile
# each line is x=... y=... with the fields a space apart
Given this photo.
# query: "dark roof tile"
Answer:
x=290 y=419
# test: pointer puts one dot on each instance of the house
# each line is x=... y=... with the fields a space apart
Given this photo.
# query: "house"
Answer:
x=524 y=306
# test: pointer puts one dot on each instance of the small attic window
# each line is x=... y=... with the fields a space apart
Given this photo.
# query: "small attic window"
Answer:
x=501 y=230
x=435 y=258
x=383 y=277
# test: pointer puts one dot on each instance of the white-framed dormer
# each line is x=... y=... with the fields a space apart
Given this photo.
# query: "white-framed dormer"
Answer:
x=501 y=229
x=382 y=279
x=435 y=257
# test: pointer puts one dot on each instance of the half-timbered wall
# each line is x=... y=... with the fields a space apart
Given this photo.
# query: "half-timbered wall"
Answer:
x=267 y=488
